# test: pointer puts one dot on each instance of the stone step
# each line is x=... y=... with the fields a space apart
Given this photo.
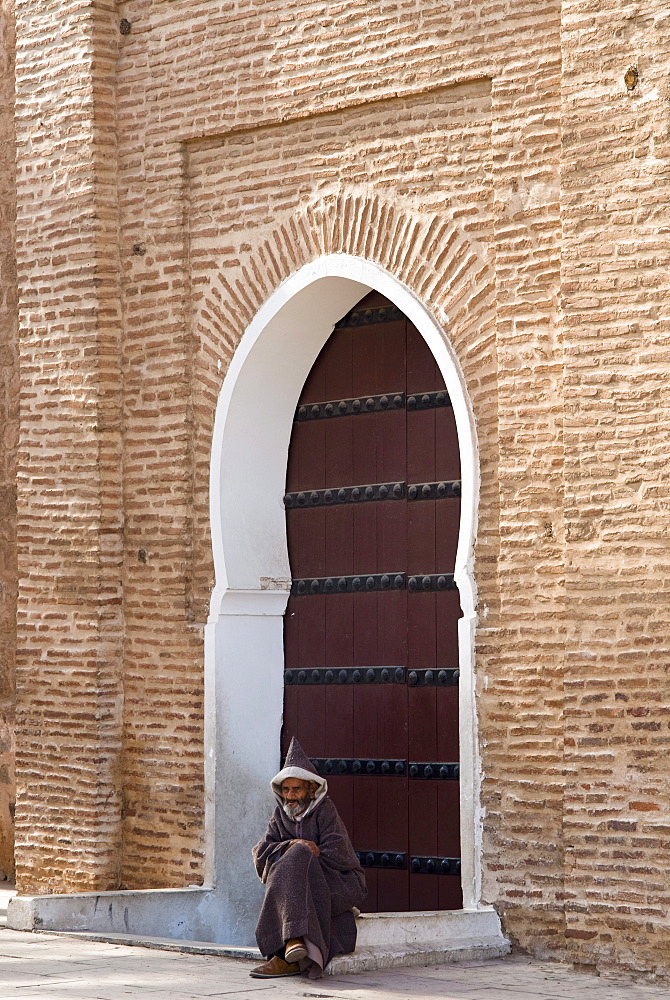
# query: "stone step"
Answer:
x=370 y=959
x=433 y=937
x=165 y=944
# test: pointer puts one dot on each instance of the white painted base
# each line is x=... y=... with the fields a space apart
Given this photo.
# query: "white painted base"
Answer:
x=7 y=892
x=168 y=913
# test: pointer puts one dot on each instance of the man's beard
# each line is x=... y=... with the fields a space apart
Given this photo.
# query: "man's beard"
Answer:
x=295 y=809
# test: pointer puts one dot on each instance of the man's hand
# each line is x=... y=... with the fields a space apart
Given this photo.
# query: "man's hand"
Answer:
x=308 y=843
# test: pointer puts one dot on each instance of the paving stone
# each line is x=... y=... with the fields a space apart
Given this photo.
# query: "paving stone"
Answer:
x=55 y=967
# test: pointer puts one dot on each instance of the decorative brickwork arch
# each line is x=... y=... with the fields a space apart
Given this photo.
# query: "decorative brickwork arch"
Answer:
x=447 y=269
x=244 y=644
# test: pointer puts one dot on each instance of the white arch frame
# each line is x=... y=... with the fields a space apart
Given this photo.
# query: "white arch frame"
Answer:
x=244 y=634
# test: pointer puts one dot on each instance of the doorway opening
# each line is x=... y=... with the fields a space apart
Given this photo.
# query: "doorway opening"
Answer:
x=371 y=626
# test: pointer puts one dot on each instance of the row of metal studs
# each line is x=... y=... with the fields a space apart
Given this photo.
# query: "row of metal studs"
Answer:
x=345 y=494
x=428 y=772
x=419 y=865
x=350 y=407
x=346 y=675
x=435 y=866
x=364 y=317
x=373 y=675
x=372 y=492
x=359 y=405
x=373 y=581
x=442 y=770
x=328 y=765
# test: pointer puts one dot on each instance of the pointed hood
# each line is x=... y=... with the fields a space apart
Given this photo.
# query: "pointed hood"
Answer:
x=298 y=765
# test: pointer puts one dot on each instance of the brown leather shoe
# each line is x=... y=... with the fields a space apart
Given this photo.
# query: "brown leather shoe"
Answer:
x=295 y=950
x=275 y=968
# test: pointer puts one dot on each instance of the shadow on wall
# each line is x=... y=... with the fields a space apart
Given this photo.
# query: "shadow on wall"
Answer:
x=7 y=791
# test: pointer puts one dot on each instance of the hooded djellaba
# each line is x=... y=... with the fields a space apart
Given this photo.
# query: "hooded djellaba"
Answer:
x=306 y=896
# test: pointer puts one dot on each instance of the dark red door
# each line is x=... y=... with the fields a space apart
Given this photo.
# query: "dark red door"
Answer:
x=371 y=681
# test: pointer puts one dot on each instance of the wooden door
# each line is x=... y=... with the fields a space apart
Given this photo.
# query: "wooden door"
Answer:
x=371 y=682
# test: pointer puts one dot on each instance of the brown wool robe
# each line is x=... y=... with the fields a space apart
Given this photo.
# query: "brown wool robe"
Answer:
x=306 y=896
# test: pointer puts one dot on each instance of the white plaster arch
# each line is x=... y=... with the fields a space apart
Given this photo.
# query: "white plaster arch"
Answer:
x=244 y=634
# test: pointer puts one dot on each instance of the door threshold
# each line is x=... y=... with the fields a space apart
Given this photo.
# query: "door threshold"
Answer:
x=423 y=937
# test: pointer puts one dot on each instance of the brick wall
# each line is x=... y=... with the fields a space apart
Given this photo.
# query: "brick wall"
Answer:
x=614 y=286
x=202 y=87
x=492 y=158
x=69 y=464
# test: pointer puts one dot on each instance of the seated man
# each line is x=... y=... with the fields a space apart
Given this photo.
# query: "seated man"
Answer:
x=311 y=873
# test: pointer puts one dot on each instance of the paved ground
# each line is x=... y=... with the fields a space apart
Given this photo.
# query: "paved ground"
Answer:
x=62 y=968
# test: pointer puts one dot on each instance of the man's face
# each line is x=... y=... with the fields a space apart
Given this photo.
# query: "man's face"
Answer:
x=296 y=794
